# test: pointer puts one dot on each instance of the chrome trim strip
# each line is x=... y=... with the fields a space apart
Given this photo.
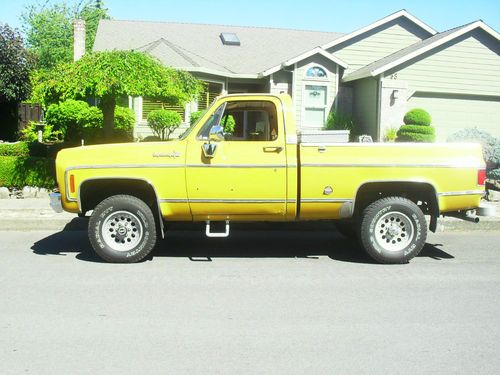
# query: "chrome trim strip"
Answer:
x=457 y=193
x=110 y=166
x=217 y=200
x=236 y=165
x=381 y=165
x=325 y=200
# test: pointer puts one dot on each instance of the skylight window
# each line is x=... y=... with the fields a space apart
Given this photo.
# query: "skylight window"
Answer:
x=230 y=39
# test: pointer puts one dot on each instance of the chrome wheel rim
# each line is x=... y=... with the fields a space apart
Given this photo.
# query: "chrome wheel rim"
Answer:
x=122 y=231
x=394 y=231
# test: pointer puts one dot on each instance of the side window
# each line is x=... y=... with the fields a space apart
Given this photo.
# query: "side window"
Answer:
x=244 y=121
x=250 y=121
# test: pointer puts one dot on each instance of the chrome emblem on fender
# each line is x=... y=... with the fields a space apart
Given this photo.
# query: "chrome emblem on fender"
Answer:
x=328 y=190
x=173 y=154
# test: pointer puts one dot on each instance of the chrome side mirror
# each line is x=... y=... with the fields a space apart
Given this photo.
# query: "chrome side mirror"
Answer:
x=216 y=134
x=209 y=149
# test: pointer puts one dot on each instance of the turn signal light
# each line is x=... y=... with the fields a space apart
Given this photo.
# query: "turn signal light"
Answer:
x=481 y=176
x=72 y=183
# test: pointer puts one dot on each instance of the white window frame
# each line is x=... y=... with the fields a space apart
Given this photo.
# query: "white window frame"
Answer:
x=314 y=81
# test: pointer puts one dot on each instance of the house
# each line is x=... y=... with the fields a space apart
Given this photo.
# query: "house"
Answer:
x=375 y=73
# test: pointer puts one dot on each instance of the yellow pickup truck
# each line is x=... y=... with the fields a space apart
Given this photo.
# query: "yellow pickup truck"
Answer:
x=261 y=171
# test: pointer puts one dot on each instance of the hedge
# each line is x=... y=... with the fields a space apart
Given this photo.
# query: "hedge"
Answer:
x=14 y=149
x=19 y=171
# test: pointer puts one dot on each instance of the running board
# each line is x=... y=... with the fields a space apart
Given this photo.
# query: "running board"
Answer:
x=209 y=233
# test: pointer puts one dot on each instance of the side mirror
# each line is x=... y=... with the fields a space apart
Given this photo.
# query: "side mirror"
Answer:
x=216 y=134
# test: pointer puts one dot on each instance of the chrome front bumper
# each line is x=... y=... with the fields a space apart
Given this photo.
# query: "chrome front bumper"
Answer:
x=55 y=202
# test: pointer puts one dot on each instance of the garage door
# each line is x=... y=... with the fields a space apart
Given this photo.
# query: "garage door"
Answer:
x=451 y=113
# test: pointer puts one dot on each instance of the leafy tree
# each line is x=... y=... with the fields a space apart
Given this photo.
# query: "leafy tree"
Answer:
x=109 y=75
x=15 y=64
x=49 y=29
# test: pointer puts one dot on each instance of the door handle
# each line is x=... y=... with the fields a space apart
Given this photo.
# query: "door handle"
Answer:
x=277 y=149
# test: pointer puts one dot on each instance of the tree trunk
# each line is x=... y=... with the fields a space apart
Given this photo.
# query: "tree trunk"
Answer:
x=108 y=111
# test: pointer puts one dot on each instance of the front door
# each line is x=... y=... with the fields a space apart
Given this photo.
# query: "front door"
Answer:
x=246 y=176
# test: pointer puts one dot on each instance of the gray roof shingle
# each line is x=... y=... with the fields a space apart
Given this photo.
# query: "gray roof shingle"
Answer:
x=184 y=45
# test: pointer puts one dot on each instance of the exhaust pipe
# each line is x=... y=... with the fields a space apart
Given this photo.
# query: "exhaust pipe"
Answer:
x=469 y=215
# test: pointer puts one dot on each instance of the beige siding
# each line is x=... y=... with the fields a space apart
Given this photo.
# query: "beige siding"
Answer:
x=453 y=113
x=468 y=65
x=378 y=43
x=365 y=99
x=300 y=82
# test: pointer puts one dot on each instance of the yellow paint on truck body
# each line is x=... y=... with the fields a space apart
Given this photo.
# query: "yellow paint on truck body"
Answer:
x=270 y=180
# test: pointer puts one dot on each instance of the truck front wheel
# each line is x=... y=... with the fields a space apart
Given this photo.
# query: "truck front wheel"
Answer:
x=122 y=229
x=393 y=230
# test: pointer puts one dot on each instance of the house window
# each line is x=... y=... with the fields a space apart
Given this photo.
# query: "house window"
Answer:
x=315 y=104
x=316 y=72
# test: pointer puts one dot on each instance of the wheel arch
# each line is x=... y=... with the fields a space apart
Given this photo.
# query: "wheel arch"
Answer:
x=417 y=191
x=94 y=190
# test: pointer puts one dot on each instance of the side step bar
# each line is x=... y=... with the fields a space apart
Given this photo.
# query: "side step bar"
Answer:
x=209 y=233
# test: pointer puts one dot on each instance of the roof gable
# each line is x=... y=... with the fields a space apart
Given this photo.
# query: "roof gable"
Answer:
x=418 y=49
x=381 y=22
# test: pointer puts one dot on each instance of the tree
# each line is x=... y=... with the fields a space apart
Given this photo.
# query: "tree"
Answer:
x=109 y=75
x=15 y=65
x=49 y=29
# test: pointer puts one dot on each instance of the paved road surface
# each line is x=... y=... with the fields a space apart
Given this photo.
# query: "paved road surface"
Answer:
x=278 y=301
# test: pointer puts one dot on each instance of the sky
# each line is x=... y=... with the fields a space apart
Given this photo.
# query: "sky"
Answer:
x=322 y=15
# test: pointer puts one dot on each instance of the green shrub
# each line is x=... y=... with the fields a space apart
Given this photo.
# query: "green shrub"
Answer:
x=494 y=174
x=195 y=116
x=417 y=116
x=390 y=134
x=19 y=171
x=417 y=129
x=163 y=122
x=229 y=124
x=14 y=149
x=30 y=133
x=70 y=116
x=415 y=137
x=490 y=144
x=339 y=121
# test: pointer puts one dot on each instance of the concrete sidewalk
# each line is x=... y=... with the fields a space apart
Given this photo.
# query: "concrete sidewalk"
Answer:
x=36 y=214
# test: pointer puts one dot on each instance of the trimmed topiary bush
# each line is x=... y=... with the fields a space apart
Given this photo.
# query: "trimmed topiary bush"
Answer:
x=417 y=127
x=417 y=116
x=163 y=122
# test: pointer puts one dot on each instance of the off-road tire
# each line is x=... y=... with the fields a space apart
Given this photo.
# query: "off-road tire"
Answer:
x=393 y=230
x=122 y=229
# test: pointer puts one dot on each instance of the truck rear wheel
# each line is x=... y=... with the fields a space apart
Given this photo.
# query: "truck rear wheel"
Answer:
x=393 y=230
x=122 y=229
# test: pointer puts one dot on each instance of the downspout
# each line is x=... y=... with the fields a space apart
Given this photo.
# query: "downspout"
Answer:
x=379 y=103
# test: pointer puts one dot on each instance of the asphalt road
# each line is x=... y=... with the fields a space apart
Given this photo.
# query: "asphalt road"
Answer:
x=269 y=300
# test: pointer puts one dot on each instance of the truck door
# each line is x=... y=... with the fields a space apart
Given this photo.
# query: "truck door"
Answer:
x=244 y=172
